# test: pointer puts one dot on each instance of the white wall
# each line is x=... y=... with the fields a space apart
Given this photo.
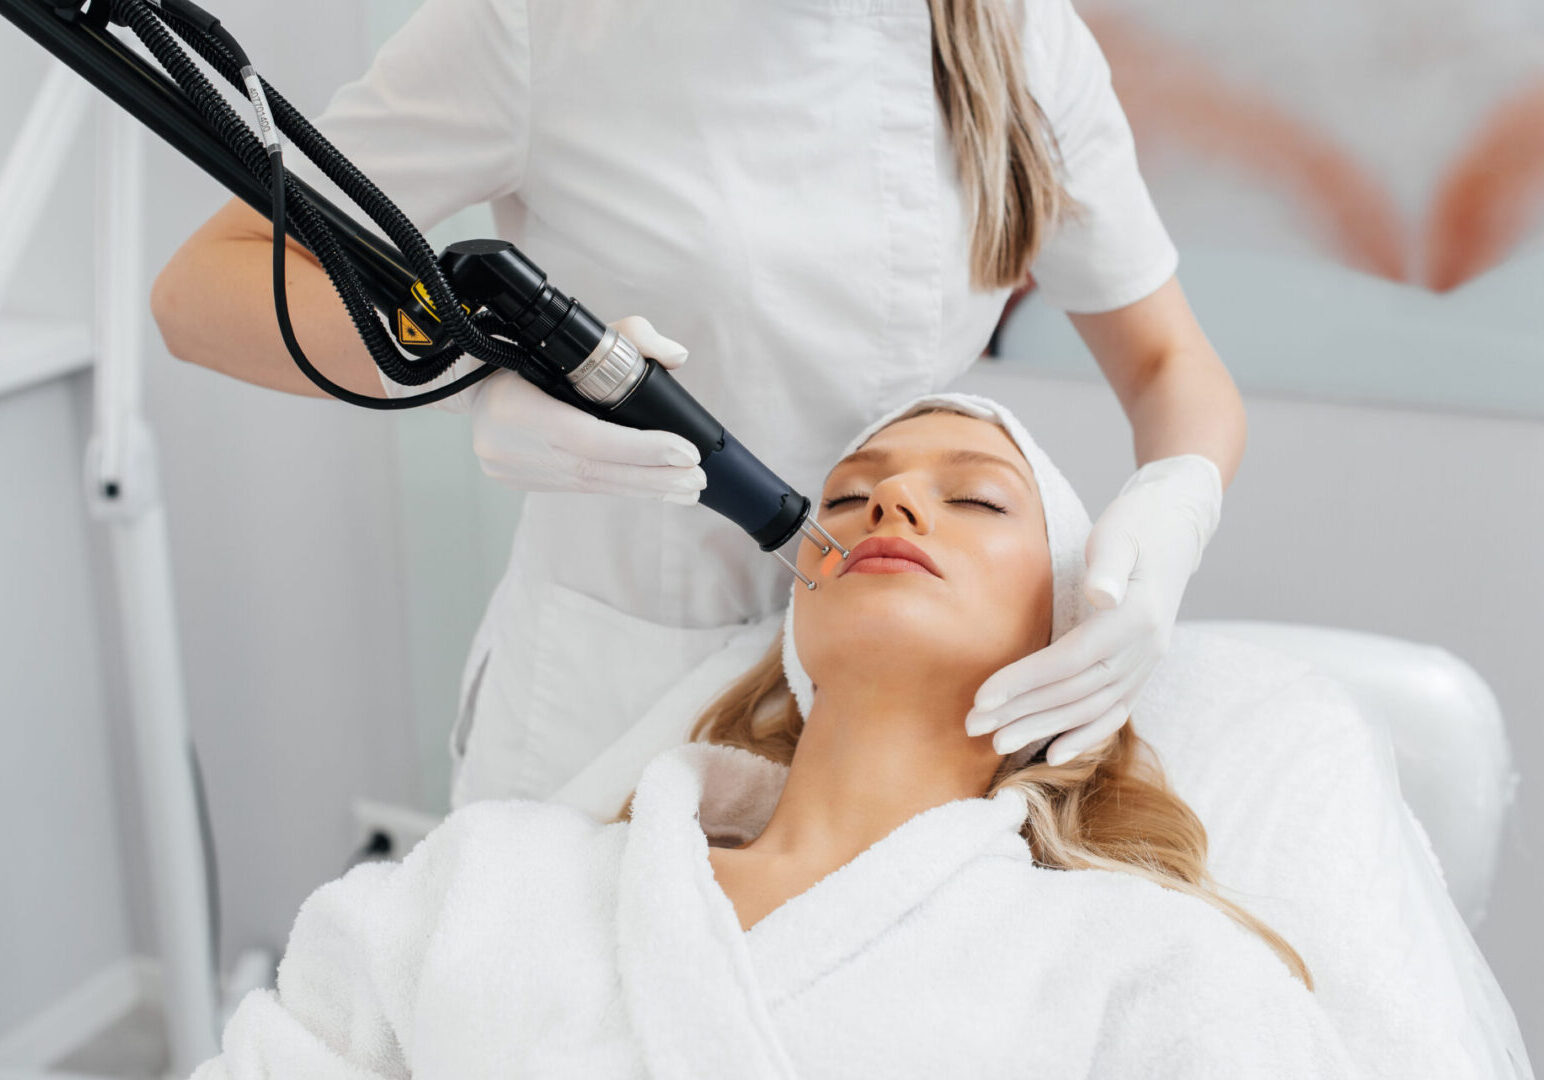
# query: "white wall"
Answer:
x=284 y=525
x=63 y=901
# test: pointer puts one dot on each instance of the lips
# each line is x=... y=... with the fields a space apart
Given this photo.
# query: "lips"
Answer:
x=890 y=547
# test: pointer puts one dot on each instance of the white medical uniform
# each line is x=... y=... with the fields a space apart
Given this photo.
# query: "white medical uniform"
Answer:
x=771 y=184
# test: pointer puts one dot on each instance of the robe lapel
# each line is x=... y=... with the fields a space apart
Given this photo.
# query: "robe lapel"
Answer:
x=699 y=989
x=696 y=1007
x=840 y=915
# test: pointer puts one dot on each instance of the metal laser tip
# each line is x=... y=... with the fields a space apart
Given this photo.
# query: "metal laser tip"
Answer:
x=808 y=584
x=825 y=548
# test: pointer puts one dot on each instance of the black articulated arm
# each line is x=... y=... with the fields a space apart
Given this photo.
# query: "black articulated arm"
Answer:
x=483 y=298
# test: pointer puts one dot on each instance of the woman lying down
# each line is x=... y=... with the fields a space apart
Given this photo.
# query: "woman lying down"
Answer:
x=833 y=879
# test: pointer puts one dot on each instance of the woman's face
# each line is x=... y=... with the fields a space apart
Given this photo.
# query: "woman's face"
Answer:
x=959 y=489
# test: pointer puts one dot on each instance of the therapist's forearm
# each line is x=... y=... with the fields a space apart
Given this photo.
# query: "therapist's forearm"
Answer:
x=213 y=303
x=1188 y=404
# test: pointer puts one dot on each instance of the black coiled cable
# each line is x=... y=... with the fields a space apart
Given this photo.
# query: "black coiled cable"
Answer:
x=226 y=58
x=471 y=335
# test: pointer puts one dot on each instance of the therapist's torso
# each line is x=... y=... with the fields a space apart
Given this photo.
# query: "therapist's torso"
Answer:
x=770 y=183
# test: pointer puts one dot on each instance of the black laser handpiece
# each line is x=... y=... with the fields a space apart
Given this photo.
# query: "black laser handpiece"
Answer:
x=479 y=297
x=621 y=385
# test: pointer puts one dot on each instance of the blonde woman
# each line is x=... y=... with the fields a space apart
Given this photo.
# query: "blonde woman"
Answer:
x=837 y=881
x=829 y=201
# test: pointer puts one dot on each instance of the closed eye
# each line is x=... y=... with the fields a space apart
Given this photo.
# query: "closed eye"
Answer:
x=829 y=503
x=984 y=502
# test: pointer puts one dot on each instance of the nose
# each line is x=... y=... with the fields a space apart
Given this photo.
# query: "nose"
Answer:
x=898 y=497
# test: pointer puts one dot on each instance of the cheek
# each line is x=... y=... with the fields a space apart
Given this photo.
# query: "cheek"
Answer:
x=1019 y=593
x=811 y=634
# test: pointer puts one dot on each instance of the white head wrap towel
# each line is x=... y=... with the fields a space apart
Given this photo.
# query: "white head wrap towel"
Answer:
x=1066 y=527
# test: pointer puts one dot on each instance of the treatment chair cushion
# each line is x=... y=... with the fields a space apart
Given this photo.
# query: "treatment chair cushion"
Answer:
x=1308 y=831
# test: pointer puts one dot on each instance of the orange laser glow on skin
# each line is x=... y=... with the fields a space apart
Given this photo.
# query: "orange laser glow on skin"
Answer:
x=828 y=564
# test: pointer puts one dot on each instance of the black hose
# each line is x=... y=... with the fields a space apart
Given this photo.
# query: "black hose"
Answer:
x=359 y=188
x=237 y=137
x=235 y=134
x=287 y=331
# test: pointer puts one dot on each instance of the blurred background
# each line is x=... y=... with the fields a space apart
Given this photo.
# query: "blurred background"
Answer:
x=1356 y=188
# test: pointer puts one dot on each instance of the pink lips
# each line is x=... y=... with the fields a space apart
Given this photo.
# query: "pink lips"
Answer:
x=889 y=555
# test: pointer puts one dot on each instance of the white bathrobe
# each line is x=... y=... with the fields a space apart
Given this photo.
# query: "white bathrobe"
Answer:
x=522 y=939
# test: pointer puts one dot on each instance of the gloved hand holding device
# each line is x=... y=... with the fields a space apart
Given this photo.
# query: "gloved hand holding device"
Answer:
x=529 y=440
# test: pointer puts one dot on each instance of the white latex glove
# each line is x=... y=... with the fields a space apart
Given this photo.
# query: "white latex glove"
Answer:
x=1141 y=553
x=528 y=439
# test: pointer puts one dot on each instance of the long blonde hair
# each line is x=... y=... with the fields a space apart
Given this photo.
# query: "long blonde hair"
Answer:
x=1004 y=148
x=1111 y=808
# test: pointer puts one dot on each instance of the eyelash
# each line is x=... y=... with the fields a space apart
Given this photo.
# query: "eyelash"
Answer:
x=855 y=495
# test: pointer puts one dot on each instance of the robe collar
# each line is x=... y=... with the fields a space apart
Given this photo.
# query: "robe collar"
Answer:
x=700 y=990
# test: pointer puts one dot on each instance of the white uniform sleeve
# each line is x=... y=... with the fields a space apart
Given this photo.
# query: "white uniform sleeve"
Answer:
x=439 y=121
x=350 y=973
x=1119 y=251
x=440 y=118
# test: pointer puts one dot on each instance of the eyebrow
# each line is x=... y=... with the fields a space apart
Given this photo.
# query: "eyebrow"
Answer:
x=948 y=457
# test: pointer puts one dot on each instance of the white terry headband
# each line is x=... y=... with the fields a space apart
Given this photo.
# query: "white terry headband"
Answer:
x=1066 y=529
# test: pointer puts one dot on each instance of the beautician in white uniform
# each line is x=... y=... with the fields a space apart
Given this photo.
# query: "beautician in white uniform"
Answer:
x=771 y=183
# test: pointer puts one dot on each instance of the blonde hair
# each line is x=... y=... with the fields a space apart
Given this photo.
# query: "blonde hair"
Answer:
x=1004 y=147
x=1111 y=808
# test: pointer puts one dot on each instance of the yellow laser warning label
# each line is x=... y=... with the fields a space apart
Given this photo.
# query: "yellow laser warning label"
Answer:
x=423 y=298
x=421 y=294
x=408 y=332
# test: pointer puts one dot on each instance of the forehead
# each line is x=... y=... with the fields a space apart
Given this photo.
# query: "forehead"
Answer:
x=943 y=439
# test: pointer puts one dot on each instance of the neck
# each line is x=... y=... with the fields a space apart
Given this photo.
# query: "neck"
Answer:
x=866 y=764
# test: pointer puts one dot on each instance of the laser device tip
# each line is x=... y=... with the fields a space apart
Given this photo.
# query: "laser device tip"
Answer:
x=824 y=541
x=808 y=584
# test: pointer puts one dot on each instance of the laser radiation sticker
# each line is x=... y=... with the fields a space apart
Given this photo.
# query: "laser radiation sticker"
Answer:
x=408 y=332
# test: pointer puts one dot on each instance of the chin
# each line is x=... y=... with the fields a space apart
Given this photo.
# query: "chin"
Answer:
x=890 y=617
